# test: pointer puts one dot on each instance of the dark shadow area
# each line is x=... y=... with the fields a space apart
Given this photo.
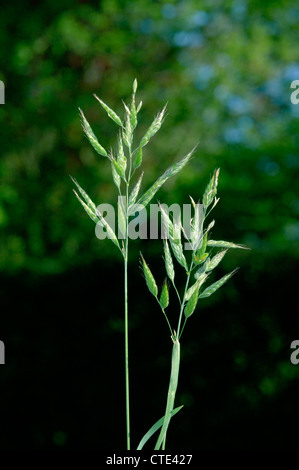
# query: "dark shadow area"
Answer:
x=63 y=384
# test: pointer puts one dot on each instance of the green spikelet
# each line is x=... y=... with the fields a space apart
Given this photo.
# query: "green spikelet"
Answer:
x=135 y=191
x=168 y=261
x=128 y=131
x=88 y=201
x=91 y=136
x=174 y=232
x=200 y=255
x=215 y=260
x=138 y=159
x=216 y=285
x=97 y=218
x=153 y=129
x=223 y=244
x=199 y=282
x=149 y=278
x=109 y=230
x=211 y=189
x=120 y=170
x=164 y=298
x=109 y=111
x=192 y=302
x=122 y=224
x=133 y=114
x=196 y=226
x=173 y=170
x=121 y=159
x=177 y=250
x=91 y=214
x=115 y=175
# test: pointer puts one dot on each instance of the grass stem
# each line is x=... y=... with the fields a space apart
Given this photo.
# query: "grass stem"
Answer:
x=128 y=432
x=184 y=299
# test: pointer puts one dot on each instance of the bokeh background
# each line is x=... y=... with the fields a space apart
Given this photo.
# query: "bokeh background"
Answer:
x=225 y=69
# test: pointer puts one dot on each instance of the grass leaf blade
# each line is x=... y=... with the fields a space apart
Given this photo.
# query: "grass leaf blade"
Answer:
x=155 y=428
x=173 y=383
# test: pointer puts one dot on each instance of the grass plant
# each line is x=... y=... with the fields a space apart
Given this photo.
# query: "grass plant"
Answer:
x=197 y=261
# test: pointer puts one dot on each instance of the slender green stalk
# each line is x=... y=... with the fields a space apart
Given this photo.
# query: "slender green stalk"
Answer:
x=185 y=321
x=128 y=430
x=177 y=292
x=169 y=326
x=127 y=328
x=127 y=352
x=184 y=299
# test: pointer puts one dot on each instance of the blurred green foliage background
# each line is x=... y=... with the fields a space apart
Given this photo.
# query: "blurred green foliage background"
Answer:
x=225 y=69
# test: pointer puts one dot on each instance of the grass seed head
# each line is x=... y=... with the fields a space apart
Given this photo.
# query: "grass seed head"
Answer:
x=215 y=260
x=177 y=250
x=153 y=129
x=115 y=176
x=133 y=112
x=168 y=262
x=122 y=224
x=121 y=159
x=112 y=114
x=149 y=278
x=216 y=285
x=211 y=189
x=199 y=282
x=135 y=191
x=138 y=159
x=128 y=132
x=200 y=255
x=200 y=259
x=91 y=136
x=89 y=211
x=164 y=298
x=192 y=302
x=177 y=167
x=224 y=244
x=139 y=107
x=173 y=170
x=109 y=230
x=118 y=168
x=88 y=201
